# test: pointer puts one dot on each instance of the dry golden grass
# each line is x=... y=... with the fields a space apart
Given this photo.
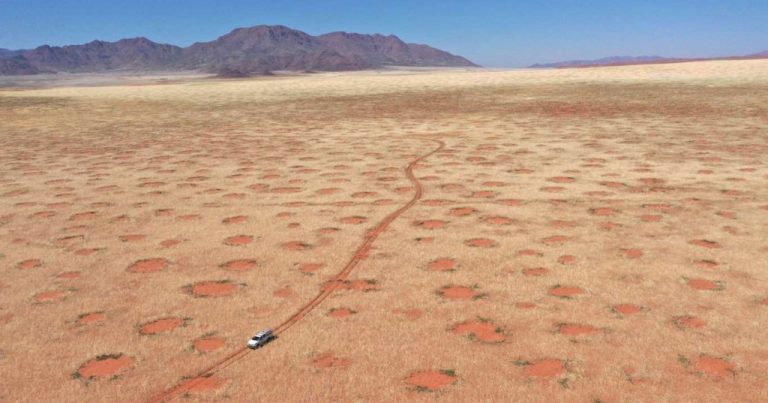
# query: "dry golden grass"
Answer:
x=642 y=189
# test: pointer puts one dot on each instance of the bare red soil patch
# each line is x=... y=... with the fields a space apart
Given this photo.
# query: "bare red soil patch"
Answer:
x=204 y=384
x=89 y=215
x=105 y=366
x=576 y=329
x=561 y=179
x=43 y=214
x=603 y=211
x=563 y=291
x=554 y=240
x=49 y=296
x=705 y=285
x=534 y=271
x=457 y=292
x=705 y=243
x=706 y=264
x=309 y=268
x=238 y=240
x=632 y=253
x=169 y=243
x=562 y=224
x=86 y=251
x=727 y=214
x=529 y=252
x=442 y=264
x=329 y=360
x=545 y=368
x=688 y=321
x=208 y=344
x=328 y=191
x=410 y=314
x=29 y=264
x=627 y=309
x=498 y=220
x=431 y=380
x=481 y=330
x=69 y=275
x=132 y=237
x=285 y=292
x=353 y=220
x=239 y=219
x=356 y=285
x=713 y=366
x=240 y=265
x=462 y=211
x=480 y=243
x=148 y=265
x=295 y=246
x=160 y=326
x=485 y=194
x=566 y=259
x=213 y=289
x=92 y=317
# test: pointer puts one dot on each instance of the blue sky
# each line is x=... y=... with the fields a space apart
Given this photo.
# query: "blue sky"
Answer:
x=489 y=32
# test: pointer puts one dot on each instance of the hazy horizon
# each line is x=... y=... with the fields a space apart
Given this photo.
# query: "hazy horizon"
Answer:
x=490 y=33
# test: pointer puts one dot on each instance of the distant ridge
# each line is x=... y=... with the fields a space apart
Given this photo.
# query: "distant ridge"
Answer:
x=630 y=60
x=242 y=52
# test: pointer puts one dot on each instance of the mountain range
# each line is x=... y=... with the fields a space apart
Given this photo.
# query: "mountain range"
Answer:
x=629 y=60
x=244 y=51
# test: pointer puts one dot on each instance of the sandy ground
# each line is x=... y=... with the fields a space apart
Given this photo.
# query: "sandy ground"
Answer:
x=565 y=235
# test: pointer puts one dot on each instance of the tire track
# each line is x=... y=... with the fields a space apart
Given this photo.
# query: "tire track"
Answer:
x=360 y=254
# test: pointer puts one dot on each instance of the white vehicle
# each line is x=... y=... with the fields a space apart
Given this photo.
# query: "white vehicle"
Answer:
x=263 y=337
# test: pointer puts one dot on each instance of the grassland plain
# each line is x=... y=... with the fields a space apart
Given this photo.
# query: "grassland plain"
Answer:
x=582 y=235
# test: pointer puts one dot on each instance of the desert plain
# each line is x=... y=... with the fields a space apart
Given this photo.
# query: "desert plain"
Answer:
x=596 y=234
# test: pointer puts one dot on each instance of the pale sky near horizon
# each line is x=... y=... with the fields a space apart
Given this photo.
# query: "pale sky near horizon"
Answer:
x=492 y=33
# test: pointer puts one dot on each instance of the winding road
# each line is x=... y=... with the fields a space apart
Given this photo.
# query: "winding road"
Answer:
x=360 y=254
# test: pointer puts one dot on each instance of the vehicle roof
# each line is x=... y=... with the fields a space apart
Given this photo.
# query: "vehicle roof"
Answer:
x=263 y=332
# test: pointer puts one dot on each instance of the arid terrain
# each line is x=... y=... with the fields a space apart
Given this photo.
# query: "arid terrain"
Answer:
x=569 y=235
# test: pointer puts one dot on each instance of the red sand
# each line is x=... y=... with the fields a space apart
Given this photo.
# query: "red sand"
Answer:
x=148 y=265
x=575 y=329
x=627 y=309
x=545 y=368
x=442 y=264
x=565 y=291
x=457 y=292
x=93 y=317
x=483 y=331
x=209 y=344
x=105 y=367
x=714 y=367
x=213 y=289
x=430 y=380
x=480 y=243
x=240 y=265
x=160 y=326
x=329 y=360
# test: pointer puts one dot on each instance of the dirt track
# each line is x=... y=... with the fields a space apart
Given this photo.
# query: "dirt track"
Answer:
x=359 y=254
